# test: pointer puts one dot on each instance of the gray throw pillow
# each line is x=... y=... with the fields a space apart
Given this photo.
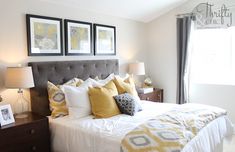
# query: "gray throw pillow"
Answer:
x=127 y=104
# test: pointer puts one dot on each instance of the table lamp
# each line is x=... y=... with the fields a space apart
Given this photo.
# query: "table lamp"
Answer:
x=137 y=68
x=19 y=78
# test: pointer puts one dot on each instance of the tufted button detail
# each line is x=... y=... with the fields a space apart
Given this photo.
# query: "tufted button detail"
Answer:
x=84 y=66
x=96 y=66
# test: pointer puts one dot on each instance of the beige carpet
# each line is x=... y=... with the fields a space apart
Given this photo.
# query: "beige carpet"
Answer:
x=229 y=147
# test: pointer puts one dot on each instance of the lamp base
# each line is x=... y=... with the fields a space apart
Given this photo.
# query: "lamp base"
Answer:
x=21 y=105
x=21 y=116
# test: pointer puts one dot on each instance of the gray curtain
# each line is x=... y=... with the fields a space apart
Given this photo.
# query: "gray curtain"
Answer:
x=183 y=35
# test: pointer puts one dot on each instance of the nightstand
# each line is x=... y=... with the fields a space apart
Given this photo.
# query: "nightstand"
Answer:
x=26 y=135
x=156 y=95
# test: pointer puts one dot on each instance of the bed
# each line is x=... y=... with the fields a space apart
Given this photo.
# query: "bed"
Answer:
x=105 y=135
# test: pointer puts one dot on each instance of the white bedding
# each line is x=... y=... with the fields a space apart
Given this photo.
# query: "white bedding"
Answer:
x=105 y=135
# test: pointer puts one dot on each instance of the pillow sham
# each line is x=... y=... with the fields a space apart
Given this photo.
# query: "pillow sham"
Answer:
x=77 y=98
x=109 y=78
x=77 y=101
x=127 y=104
x=104 y=81
x=126 y=86
x=103 y=104
x=57 y=98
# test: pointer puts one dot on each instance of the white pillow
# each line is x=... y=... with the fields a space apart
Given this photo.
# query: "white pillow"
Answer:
x=77 y=101
x=123 y=77
x=109 y=78
x=93 y=83
x=106 y=80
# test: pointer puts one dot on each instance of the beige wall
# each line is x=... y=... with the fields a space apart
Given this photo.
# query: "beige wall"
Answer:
x=162 y=61
x=13 y=44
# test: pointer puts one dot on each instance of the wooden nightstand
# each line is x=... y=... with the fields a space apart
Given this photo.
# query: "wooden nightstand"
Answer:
x=156 y=95
x=26 y=135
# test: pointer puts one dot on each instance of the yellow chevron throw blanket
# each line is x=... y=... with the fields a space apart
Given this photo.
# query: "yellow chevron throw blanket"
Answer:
x=171 y=131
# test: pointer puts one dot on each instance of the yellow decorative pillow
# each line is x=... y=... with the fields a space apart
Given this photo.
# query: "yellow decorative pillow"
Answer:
x=57 y=98
x=103 y=104
x=126 y=86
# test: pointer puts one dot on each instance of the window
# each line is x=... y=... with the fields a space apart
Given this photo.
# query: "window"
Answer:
x=213 y=56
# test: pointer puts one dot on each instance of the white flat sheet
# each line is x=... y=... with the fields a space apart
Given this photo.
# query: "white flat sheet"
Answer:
x=105 y=135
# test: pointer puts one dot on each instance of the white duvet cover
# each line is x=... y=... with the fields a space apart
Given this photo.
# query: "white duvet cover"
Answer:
x=105 y=135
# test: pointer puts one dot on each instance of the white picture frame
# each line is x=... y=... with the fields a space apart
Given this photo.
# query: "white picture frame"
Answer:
x=6 y=115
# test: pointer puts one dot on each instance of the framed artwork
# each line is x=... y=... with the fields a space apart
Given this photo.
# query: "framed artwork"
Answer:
x=78 y=38
x=6 y=115
x=105 y=39
x=44 y=35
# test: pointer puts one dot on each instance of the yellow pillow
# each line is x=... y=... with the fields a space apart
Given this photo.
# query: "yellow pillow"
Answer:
x=126 y=86
x=57 y=98
x=103 y=104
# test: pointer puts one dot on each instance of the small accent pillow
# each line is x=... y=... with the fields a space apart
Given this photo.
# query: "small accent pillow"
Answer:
x=103 y=104
x=127 y=104
x=57 y=98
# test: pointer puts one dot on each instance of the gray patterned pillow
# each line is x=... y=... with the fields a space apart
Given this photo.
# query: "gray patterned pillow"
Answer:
x=127 y=104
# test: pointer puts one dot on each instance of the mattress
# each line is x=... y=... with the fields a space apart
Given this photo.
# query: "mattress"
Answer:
x=104 y=135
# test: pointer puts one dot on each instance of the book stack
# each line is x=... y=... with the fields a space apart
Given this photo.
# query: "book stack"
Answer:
x=144 y=90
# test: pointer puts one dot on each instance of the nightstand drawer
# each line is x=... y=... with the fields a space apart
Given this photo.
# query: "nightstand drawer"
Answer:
x=37 y=145
x=156 y=95
x=24 y=133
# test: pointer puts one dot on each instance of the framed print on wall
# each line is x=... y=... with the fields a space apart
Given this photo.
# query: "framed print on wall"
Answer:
x=44 y=35
x=105 y=39
x=78 y=38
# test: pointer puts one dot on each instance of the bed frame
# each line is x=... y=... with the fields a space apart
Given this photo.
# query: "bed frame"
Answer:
x=62 y=71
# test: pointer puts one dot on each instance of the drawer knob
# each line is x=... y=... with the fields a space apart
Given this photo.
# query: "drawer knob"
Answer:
x=34 y=148
x=32 y=131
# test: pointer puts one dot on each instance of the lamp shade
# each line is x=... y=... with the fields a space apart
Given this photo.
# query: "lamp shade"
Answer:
x=19 y=77
x=137 y=68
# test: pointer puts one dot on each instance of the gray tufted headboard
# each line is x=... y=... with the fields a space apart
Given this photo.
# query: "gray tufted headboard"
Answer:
x=62 y=71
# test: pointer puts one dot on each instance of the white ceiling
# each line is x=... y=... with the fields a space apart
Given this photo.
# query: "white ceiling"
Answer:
x=139 y=10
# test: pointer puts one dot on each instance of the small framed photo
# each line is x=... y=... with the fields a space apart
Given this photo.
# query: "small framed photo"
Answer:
x=105 y=39
x=44 y=35
x=6 y=115
x=78 y=38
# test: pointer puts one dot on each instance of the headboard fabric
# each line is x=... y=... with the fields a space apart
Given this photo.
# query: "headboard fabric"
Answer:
x=59 y=72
